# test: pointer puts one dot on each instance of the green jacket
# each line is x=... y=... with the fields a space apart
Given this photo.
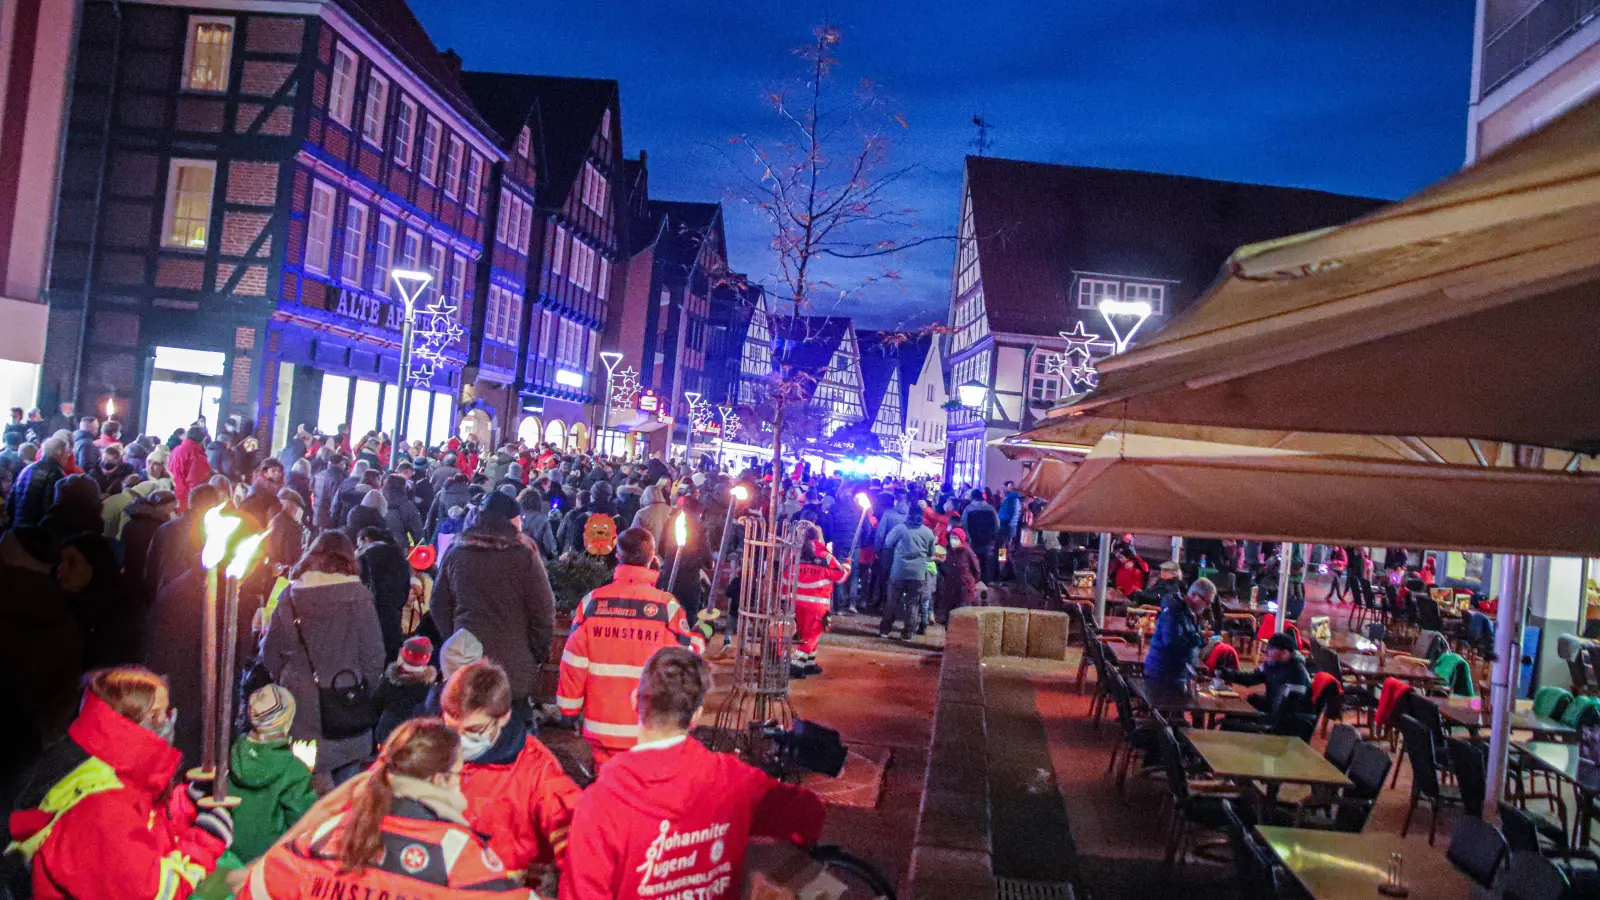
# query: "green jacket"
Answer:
x=1454 y=671
x=274 y=791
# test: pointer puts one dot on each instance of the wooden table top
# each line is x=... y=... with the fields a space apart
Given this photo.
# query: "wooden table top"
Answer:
x=1270 y=758
x=1127 y=654
x=1474 y=713
x=1333 y=865
x=1365 y=665
x=1170 y=698
x=1563 y=760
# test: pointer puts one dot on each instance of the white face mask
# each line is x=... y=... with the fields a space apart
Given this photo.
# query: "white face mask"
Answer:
x=955 y=543
x=474 y=745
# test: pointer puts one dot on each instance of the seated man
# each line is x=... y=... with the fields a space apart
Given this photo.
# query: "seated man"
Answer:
x=1288 y=688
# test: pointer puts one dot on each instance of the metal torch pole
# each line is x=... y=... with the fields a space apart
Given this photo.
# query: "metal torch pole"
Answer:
x=1502 y=677
x=1102 y=574
x=229 y=653
x=1285 y=557
x=400 y=428
x=677 y=557
x=209 y=724
x=722 y=547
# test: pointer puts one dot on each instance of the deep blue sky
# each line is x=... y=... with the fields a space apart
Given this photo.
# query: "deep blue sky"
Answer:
x=1360 y=96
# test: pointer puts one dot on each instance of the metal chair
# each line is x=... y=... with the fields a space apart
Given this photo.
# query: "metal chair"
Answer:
x=1253 y=871
x=1477 y=849
x=1190 y=809
x=1341 y=746
x=1424 y=776
x=1530 y=876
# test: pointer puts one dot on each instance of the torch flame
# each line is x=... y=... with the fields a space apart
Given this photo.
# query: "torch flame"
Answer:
x=741 y=493
x=219 y=528
x=680 y=529
x=863 y=501
x=111 y=407
x=244 y=555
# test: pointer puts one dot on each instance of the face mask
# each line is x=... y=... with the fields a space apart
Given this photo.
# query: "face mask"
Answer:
x=475 y=744
x=955 y=543
x=168 y=729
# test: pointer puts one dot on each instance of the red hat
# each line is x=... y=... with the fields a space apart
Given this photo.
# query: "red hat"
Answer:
x=422 y=557
x=415 y=653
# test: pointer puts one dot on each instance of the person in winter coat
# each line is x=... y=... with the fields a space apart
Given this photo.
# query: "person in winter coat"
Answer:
x=655 y=514
x=175 y=549
x=1167 y=587
x=368 y=513
x=35 y=488
x=404 y=834
x=401 y=515
x=454 y=494
x=671 y=811
x=286 y=533
x=44 y=656
x=403 y=694
x=536 y=522
x=327 y=614
x=983 y=527
x=817 y=574
x=298 y=479
x=1131 y=572
x=695 y=562
x=188 y=465
x=959 y=576
x=143 y=518
x=75 y=509
x=517 y=794
x=1283 y=671
x=273 y=786
x=85 y=452
x=110 y=470
x=1175 y=645
x=387 y=574
x=219 y=455
x=614 y=630
x=325 y=493
x=491 y=584
x=100 y=817
x=911 y=548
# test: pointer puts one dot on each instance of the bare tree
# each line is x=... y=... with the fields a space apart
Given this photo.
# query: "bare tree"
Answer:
x=825 y=192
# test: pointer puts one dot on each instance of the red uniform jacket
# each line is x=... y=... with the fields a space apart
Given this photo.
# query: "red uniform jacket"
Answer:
x=108 y=829
x=425 y=856
x=671 y=820
x=816 y=580
x=189 y=469
x=614 y=632
x=520 y=799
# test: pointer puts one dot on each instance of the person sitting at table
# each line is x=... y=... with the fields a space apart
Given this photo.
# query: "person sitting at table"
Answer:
x=1175 y=645
x=1131 y=572
x=1288 y=692
x=1167 y=586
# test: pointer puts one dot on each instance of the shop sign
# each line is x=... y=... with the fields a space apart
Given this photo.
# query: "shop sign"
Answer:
x=706 y=426
x=369 y=310
x=650 y=402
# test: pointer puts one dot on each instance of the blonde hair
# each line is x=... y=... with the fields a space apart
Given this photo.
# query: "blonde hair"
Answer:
x=130 y=690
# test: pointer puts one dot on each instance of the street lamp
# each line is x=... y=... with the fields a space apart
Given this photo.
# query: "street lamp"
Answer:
x=971 y=394
x=689 y=422
x=1138 y=309
x=410 y=283
x=612 y=359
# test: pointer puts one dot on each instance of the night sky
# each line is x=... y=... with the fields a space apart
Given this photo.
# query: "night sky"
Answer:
x=1362 y=96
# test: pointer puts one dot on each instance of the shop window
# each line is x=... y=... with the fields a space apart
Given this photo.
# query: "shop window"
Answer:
x=334 y=405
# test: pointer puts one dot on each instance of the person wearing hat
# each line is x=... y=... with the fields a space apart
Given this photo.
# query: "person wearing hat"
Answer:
x=1288 y=694
x=273 y=786
x=492 y=584
x=1175 y=644
x=406 y=684
x=1167 y=587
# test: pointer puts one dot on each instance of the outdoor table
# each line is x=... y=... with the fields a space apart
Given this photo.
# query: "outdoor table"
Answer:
x=1369 y=667
x=1128 y=656
x=1565 y=761
x=1333 y=865
x=1168 y=698
x=1473 y=713
x=1243 y=606
x=1271 y=759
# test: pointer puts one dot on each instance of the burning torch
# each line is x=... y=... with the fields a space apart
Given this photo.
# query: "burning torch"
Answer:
x=737 y=495
x=680 y=535
x=227 y=556
x=865 y=502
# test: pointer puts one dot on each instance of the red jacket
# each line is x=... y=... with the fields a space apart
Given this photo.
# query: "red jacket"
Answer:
x=614 y=632
x=117 y=832
x=1129 y=579
x=519 y=798
x=426 y=855
x=672 y=819
x=189 y=469
x=816 y=580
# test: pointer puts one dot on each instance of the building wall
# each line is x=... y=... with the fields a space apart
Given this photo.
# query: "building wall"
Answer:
x=1508 y=35
x=925 y=408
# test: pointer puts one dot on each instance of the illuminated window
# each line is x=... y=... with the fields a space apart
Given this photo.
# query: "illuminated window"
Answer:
x=1045 y=384
x=355 y=243
x=602 y=287
x=364 y=412
x=524 y=142
x=491 y=314
x=319 y=227
x=1092 y=290
x=595 y=189
x=188 y=218
x=342 y=89
x=405 y=130
x=458 y=279
x=334 y=403
x=208 y=54
x=430 y=151
x=372 y=115
x=558 y=252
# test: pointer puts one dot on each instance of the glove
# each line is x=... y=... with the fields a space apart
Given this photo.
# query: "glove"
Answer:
x=198 y=789
x=217 y=822
x=827 y=621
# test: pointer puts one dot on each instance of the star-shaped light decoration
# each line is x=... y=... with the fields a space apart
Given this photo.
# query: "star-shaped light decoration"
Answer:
x=624 y=388
x=730 y=422
x=1078 y=340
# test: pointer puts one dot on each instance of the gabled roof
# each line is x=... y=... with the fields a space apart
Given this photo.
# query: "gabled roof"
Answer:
x=397 y=28
x=565 y=114
x=1037 y=224
x=808 y=342
x=679 y=229
x=908 y=351
x=876 y=373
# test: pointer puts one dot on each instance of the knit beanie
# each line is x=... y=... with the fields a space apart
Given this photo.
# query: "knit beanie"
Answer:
x=500 y=505
x=271 y=713
x=460 y=649
x=415 y=654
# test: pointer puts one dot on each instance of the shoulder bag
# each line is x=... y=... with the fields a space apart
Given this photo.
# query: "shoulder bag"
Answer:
x=346 y=701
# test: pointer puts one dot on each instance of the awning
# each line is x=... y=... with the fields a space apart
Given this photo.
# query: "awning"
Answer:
x=1470 y=310
x=1141 y=484
x=1047 y=477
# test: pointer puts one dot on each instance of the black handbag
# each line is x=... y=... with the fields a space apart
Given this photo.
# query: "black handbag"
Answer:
x=347 y=703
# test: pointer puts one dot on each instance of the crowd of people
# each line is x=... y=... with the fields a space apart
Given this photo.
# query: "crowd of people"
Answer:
x=391 y=652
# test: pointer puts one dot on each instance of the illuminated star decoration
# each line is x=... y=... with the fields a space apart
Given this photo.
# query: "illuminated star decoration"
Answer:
x=435 y=331
x=1078 y=340
x=699 y=413
x=1075 y=364
x=624 y=388
x=730 y=422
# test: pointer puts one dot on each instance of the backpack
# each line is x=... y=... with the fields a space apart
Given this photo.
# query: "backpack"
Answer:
x=600 y=535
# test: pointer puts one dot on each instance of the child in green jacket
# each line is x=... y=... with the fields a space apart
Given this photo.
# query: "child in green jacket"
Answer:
x=273 y=786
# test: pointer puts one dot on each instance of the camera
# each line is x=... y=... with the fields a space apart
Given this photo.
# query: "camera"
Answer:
x=804 y=747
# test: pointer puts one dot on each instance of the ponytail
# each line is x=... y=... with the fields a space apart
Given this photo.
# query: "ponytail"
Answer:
x=420 y=748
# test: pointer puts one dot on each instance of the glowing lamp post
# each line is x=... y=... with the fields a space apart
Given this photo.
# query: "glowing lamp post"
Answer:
x=227 y=556
x=1138 y=310
x=971 y=395
x=690 y=421
x=738 y=494
x=410 y=283
x=612 y=359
